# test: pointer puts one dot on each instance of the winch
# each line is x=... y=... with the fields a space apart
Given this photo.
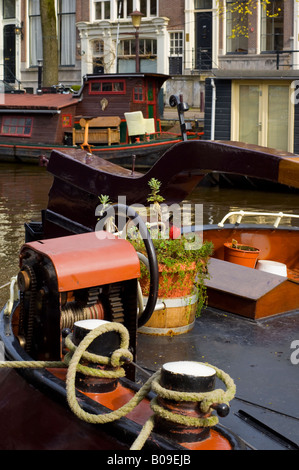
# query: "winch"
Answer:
x=84 y=276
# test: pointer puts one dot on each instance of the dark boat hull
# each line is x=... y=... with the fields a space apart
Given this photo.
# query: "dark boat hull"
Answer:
x=146 y=154
x=35 y=414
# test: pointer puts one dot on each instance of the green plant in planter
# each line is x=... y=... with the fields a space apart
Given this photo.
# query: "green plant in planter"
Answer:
x=182 y=270
x=238 y=246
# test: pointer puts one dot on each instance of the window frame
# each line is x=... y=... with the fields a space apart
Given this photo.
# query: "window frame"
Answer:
x=176 y=37
x=232 y=42
x=112 y=92
x=62 y=34
x=142 y=87
x=147 y=8
x=265 y=20
x=15 y=134
x=102 y=4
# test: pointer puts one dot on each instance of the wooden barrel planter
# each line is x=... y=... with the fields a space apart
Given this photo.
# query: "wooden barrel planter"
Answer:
x=179 y=297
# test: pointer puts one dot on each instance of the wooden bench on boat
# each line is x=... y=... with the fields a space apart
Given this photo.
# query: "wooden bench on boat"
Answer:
x=99 y=130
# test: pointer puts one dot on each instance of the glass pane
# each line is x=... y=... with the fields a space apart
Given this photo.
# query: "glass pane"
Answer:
x=98 y=11
x=237 y=27
x=249 y=114
x=107 y=10
x=278 y=117
x=272 y=19
x=120 y=9
x=143 y=7
x=129 y=7
x=203 y=4
x=107 y=86
x=96 y=86
x=153 y=7
x=9 y=9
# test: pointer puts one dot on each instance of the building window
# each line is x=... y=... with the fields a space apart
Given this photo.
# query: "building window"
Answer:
x=203 y=4
x=147 y=48
x=67 y=31
x=98 y=56
x=176 y=43
x=35 y=33
x=149 y=7
x=102 y=10
x=237 y=26
x=272 y=16
x=105 y=86
x=17 y=126
x=9 y=9
x=124 y=8
x=176 y=53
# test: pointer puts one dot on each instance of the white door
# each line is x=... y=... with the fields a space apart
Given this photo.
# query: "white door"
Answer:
x=262 y=114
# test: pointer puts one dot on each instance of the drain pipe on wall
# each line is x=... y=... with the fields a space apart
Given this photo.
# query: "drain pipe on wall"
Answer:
x=213 y=109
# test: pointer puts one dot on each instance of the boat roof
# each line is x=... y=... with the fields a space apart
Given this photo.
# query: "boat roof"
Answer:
x=47 y=101
x=113 y=76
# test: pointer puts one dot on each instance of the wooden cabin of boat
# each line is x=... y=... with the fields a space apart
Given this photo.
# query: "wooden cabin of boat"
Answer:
x=44 y=118
x=113 y=95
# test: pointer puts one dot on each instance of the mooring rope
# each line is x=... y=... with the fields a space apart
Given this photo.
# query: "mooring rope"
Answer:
x=117 y=359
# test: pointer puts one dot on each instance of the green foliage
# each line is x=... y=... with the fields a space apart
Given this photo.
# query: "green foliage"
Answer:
x=242 y=10
x=175 y=254
x=154 y=195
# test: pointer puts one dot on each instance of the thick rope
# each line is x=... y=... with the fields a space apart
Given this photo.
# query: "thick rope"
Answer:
x=205 y=399
x=116 y=360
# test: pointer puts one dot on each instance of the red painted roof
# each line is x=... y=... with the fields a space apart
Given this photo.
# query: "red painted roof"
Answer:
x=45 y=101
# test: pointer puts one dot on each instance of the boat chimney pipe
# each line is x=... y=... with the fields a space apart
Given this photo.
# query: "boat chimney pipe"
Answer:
x=39 y=76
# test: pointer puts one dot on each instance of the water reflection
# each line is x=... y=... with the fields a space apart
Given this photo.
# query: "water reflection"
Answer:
x=217 y=202
x=24 y=193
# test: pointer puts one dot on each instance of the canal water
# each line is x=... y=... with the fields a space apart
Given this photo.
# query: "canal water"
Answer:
x=24 y=193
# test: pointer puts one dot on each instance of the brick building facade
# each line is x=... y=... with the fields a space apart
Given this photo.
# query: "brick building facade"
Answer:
x=188 y=39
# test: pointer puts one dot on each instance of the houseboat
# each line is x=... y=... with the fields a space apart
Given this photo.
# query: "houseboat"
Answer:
x=77 y=293
x=116 y=116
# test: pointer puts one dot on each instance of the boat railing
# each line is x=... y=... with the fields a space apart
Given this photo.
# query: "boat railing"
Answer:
x=240 y=214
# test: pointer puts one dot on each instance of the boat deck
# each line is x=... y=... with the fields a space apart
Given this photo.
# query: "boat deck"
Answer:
x=257 y=355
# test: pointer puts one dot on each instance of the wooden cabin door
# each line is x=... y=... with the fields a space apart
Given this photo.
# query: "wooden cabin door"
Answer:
x=9 y=53
x=151 y=100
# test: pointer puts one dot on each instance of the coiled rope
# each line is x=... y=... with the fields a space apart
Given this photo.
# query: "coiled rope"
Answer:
x=116 y=360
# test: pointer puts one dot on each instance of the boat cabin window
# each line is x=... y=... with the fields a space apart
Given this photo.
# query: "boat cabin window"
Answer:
x=104 y=86
x=17 y=126
x=138 y=94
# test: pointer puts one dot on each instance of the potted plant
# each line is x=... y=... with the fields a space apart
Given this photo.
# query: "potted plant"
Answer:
x=238 y=253
x=182 y=273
